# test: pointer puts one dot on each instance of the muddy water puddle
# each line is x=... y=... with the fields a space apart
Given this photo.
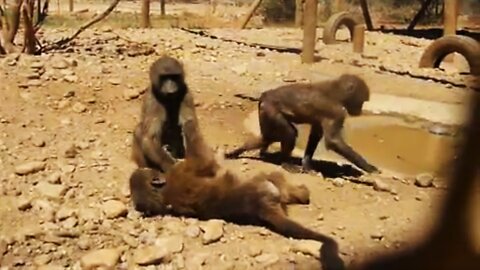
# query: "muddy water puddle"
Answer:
x=394 y=144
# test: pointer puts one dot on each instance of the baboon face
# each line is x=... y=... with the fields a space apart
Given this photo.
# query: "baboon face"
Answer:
x=167 y=76
x=358 y=93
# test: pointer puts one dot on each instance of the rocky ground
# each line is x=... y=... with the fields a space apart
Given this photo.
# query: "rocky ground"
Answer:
x=66 y=128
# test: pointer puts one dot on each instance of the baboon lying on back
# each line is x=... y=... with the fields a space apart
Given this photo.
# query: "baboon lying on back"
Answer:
x=199 y=187
x=324 y=105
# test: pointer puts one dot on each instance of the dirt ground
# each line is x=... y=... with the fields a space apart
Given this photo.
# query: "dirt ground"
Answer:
x=66 y=127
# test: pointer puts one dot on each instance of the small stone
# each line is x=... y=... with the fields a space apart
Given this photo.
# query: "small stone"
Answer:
x=308 y=247
x=37 y=65
x=53 y=191
x=213 y=231
x=129 y=94
x=38 y=142
x=30 y=167
x=79 y=107
x=376 y=235
x=192 y=231
x=424 y=180
x=70 y=78
x=173 y=244
x=24 y=203
x=60 y=64
x=42 y=259
x=34 y=83
x=54 y=178
x=64 y=213
x=114 y=209
x=115 y=81
x=379 y=185
x=150 y=255
x=338 y=182
x=267 y=259
x=254 y=250
x=71 y=151
x=107 y=258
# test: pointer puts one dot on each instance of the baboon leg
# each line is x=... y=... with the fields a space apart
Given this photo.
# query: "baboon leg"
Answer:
x=251 y=144
x=335 y=142
x=289 y=193
x=316 y=133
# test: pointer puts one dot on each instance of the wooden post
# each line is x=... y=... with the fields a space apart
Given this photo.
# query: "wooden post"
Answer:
x=250 y=12
x=70 y=5
x=162 y=7
x=450 y=15
x=145 y=20
x=309 y=31
x=366 y=14
x=58 y=6
x=358 y=38
x=298 y=13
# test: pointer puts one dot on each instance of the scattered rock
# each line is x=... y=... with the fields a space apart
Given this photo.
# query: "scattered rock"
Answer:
x=424 y=180
x=71 y=151
x=149 y=255
x=60 y=64
x=254 y=250
x=115 y=81
x=79 y=107
x=114 y=209
x=64 y=213
x=192 y=231
x=129 y=94
x=379 y=185
x=42 y=259
x=53 y=191
x=213 y=231
x=338 y=182
x=37 y=65
x=24 y=203
x=107 y=258
x=376 y=235
x=30 y=167
x=54 y=178
x=34 y=83
x=173 y=244
x=70 y=78
x=267 y=259
x=308 y=247
x=38 y=142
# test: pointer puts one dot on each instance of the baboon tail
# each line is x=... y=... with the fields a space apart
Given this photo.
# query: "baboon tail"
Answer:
x=329 y=252
x=251 y=144
x=147 y=198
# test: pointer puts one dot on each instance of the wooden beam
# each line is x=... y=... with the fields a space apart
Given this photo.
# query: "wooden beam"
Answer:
x=366 y=14
x=420 y=14
x=450 y=15
x=309 y=31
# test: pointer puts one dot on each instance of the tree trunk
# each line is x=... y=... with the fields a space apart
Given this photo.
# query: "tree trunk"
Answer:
x=249 y=14
x=70 y=5
x=29 y=33
x=162 y=7
x=309 y=31
x=298 y=13
x=145 y=23
x=366 y=14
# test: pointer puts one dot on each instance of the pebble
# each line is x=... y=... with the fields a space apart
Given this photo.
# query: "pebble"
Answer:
x=115 y=81
x=70 y=78
x=149 y=255
x=173 y=244
x=192 y=231
x=424 y=180
x=95 y=259
x=53 y=191
x=213 y=231
x=24 y=203
x=60 y=64
x=379 y=185
x=37 y=65
x=338 y=182
x=376 y=235
x=130 y=94
x=65 y=212
x=54 y=178
x=308 y=247
x=34 y=83
x=30 y=167
x=71 y=151
x=38 y=142
x=42 y=259
x=114 y=209
x=267 y=259
x=79 y=107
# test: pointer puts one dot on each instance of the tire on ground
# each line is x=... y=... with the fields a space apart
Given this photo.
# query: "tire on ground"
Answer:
x=334 y=22
x=466 y=46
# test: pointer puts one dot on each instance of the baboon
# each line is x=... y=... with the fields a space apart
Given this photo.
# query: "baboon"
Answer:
x=158 y=138
x=324 y=105
x=206 y=190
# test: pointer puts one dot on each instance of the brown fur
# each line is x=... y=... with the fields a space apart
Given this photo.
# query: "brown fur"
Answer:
x=167 y=104
x=190 y=191
x=324 y=105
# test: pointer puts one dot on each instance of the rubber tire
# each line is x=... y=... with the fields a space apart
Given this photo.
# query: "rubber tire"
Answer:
x=466 y=46
x=334 y=22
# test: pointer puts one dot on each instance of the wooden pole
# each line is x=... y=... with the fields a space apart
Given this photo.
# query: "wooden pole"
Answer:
x=366 y=14
x=450 y=14
x=419 y=15
x=358 y=38
x=145 y=20
x=309 y=31
x=298 y=13
x=249 y=14
x=70 y=5
x=162 y=7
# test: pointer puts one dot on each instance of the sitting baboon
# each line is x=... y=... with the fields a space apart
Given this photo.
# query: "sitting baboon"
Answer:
x=324 y=105
x=158 y=138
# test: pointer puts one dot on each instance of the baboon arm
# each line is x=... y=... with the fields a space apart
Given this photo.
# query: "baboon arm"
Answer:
x=335 y=142
x=156 y=153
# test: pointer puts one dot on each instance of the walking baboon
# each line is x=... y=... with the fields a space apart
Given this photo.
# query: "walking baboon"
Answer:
x=324 y=105
x=158 y=138
x=220 y=193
